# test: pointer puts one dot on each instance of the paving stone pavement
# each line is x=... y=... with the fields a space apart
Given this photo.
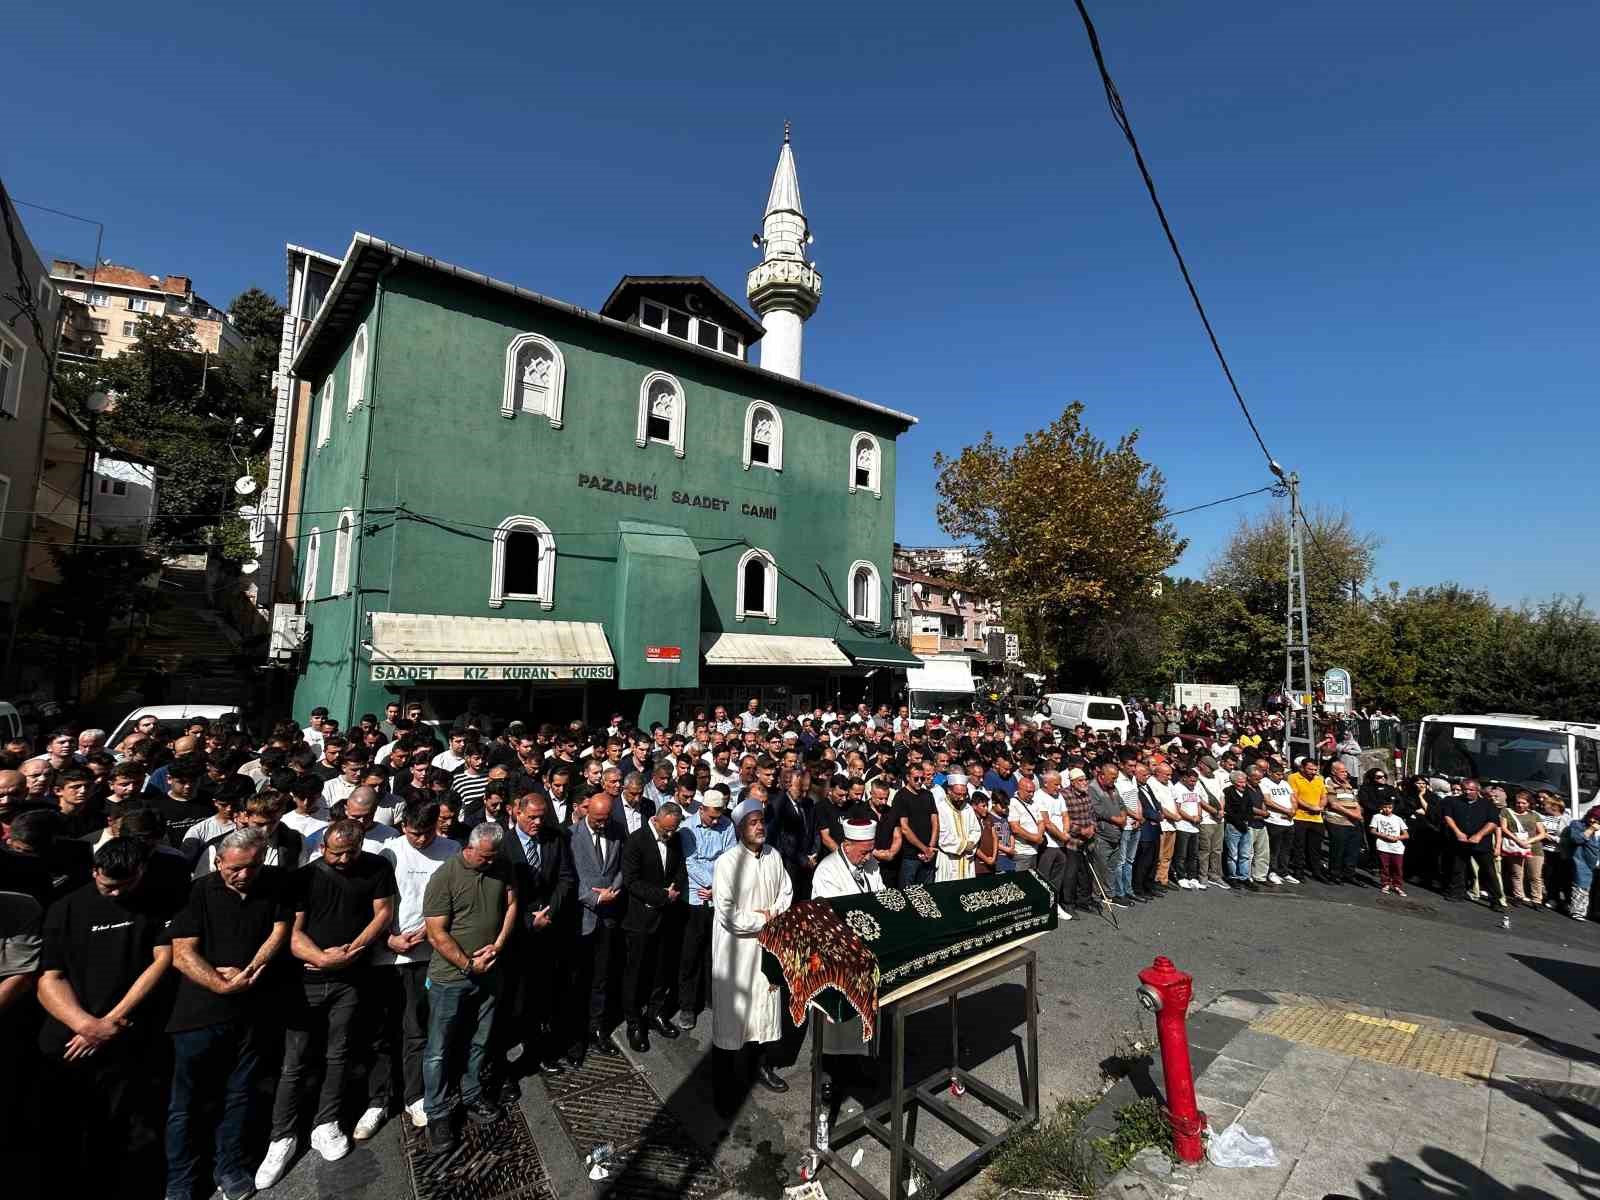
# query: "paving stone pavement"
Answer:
x=1354 y=1122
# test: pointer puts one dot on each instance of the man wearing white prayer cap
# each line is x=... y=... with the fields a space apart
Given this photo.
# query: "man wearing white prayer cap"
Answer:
x=851 y=870
x=749 y=888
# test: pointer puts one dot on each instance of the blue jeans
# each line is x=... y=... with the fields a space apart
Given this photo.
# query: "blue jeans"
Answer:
x=1235 y=854
x=1585 y=860
x=1113 y=853
x=460 y=1020
x=914 y=870
x=211 y=1063
x=1127 y=851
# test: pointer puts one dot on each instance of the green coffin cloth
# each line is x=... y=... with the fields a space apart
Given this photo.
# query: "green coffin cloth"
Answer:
x=912 y=933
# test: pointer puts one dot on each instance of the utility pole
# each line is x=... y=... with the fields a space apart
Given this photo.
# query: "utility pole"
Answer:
x=1299 y=727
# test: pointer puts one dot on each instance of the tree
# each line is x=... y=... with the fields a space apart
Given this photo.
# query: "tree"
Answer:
x=259 y=319
x=1063 y=528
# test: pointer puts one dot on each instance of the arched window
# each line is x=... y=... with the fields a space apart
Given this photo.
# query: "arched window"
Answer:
x=763 y=437
x=325 y=417
x=536 y=378
x=357 y=391
x=661 y=415
x=313 y=560
x=340 y=583
x=866 y=464
x=865 y=604
x=524 y=563
x=757 y=585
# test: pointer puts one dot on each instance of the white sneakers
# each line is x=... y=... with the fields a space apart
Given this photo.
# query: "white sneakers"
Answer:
x=327 y=1141
x=371 y=1121
x=418 y=1114
x=1217 y=883
x=1063 y=913
x=1290 y=879
x=1274 y=879
x=1194 y=885
x=276 y=1162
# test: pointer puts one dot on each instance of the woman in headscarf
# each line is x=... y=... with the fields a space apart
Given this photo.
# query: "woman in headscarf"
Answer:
x=1422 y=812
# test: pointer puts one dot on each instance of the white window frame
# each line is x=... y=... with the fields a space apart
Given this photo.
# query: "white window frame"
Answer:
x=509 y=406
x=11 y=405
x=680 y=413
x=694 y=329
x=99 y=300
x=46 y=294
x=545 y=597
x=325 y=413
x=141 y=304
x=874 y=613
x=130 y=329
x=775 y=449
x=356 y=391
x=741 y=609
x=343 y=543
x=311 y=565
x=875 y=484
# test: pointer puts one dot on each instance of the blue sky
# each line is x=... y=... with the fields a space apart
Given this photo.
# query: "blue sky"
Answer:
x=1389 y=210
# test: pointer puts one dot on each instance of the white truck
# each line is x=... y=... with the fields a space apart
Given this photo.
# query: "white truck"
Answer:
x=940 y=685
x=1198 y=695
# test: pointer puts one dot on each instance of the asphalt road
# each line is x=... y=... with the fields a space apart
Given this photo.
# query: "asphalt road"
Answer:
x=1540 y=978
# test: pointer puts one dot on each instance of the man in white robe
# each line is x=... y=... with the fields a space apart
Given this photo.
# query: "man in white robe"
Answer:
x=851 y=870
x=959 y=831
x=749 y=888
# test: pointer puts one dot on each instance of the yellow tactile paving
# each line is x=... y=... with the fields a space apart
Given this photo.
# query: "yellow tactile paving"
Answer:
x=1453 y=1055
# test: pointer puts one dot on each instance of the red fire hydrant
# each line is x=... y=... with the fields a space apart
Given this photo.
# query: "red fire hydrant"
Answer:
x=1166 y=991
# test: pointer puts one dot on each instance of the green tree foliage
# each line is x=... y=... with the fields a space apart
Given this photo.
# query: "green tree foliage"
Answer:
x=1064 y=528
x=259 y=319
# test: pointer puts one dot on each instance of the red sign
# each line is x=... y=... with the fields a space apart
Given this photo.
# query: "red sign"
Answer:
x=663 y=654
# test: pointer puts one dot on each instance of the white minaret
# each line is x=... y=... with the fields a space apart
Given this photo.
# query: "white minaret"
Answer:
x=785 y=287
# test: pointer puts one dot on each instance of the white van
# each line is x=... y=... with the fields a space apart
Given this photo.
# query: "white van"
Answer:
x=1068 y=710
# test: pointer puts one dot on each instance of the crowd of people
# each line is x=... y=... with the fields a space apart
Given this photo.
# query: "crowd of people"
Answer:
x=211 y=944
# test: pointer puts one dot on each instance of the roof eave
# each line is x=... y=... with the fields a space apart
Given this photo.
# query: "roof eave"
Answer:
x=365 y=241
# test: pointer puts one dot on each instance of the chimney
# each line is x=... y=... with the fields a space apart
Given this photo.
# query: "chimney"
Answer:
x=177 y=284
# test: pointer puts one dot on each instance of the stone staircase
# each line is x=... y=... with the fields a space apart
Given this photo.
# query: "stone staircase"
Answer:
x=189 y=647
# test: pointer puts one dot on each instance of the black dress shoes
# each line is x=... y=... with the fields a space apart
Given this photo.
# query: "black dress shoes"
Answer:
x=663 y=1026
x=770 y=1079
x=601 y=1044
x=638 y=1039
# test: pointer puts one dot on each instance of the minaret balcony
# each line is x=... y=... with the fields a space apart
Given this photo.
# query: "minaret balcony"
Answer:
x=785 y=283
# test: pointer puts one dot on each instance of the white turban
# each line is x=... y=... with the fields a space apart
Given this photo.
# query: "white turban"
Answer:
x=746 y=808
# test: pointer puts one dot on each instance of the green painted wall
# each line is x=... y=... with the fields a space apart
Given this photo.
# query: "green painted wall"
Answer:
x=441 y=449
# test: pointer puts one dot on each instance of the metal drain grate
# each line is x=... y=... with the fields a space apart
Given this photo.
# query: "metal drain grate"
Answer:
x=498 y=1161
x=653 y=1156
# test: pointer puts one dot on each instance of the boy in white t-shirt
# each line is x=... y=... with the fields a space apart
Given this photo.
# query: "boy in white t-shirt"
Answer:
x=1390 y=834
x=1275 y=790
x=1185 y=857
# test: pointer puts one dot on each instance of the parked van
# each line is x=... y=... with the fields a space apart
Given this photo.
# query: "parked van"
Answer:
x=10 y=722
x=1068 y=710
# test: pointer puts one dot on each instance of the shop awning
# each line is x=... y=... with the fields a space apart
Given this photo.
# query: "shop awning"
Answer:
x=770 y=650
x=425 y=647
x=878 y=652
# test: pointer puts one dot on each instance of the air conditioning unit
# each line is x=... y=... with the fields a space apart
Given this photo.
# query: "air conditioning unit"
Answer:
x=288 y=631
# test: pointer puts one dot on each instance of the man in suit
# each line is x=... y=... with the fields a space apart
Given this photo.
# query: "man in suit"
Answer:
x=655 y=881
x=542 y=860
x=597 y=860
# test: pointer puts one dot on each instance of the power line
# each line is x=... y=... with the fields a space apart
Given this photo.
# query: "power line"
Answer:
x=1120 y=115
x=1271 y=487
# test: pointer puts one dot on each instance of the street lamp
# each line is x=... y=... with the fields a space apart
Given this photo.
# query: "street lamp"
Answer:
x=97 y=403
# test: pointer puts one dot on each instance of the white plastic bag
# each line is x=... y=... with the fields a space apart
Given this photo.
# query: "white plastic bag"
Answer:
x=1233 y=1147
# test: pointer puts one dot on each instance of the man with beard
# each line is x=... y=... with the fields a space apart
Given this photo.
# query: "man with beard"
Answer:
x=749 y=888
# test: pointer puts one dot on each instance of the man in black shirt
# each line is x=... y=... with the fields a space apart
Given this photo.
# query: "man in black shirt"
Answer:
x=103 y=1070
x=1471 y=827
x=183 y=805
x=225 y=947
x=918 y=815
x=344 y=902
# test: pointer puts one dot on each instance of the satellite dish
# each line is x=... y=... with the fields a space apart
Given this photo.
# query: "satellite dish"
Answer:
x=244 y=485
x=247 y=513
x=250 y=568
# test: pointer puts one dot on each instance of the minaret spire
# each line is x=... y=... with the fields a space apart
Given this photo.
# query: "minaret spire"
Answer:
x=785 y=287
